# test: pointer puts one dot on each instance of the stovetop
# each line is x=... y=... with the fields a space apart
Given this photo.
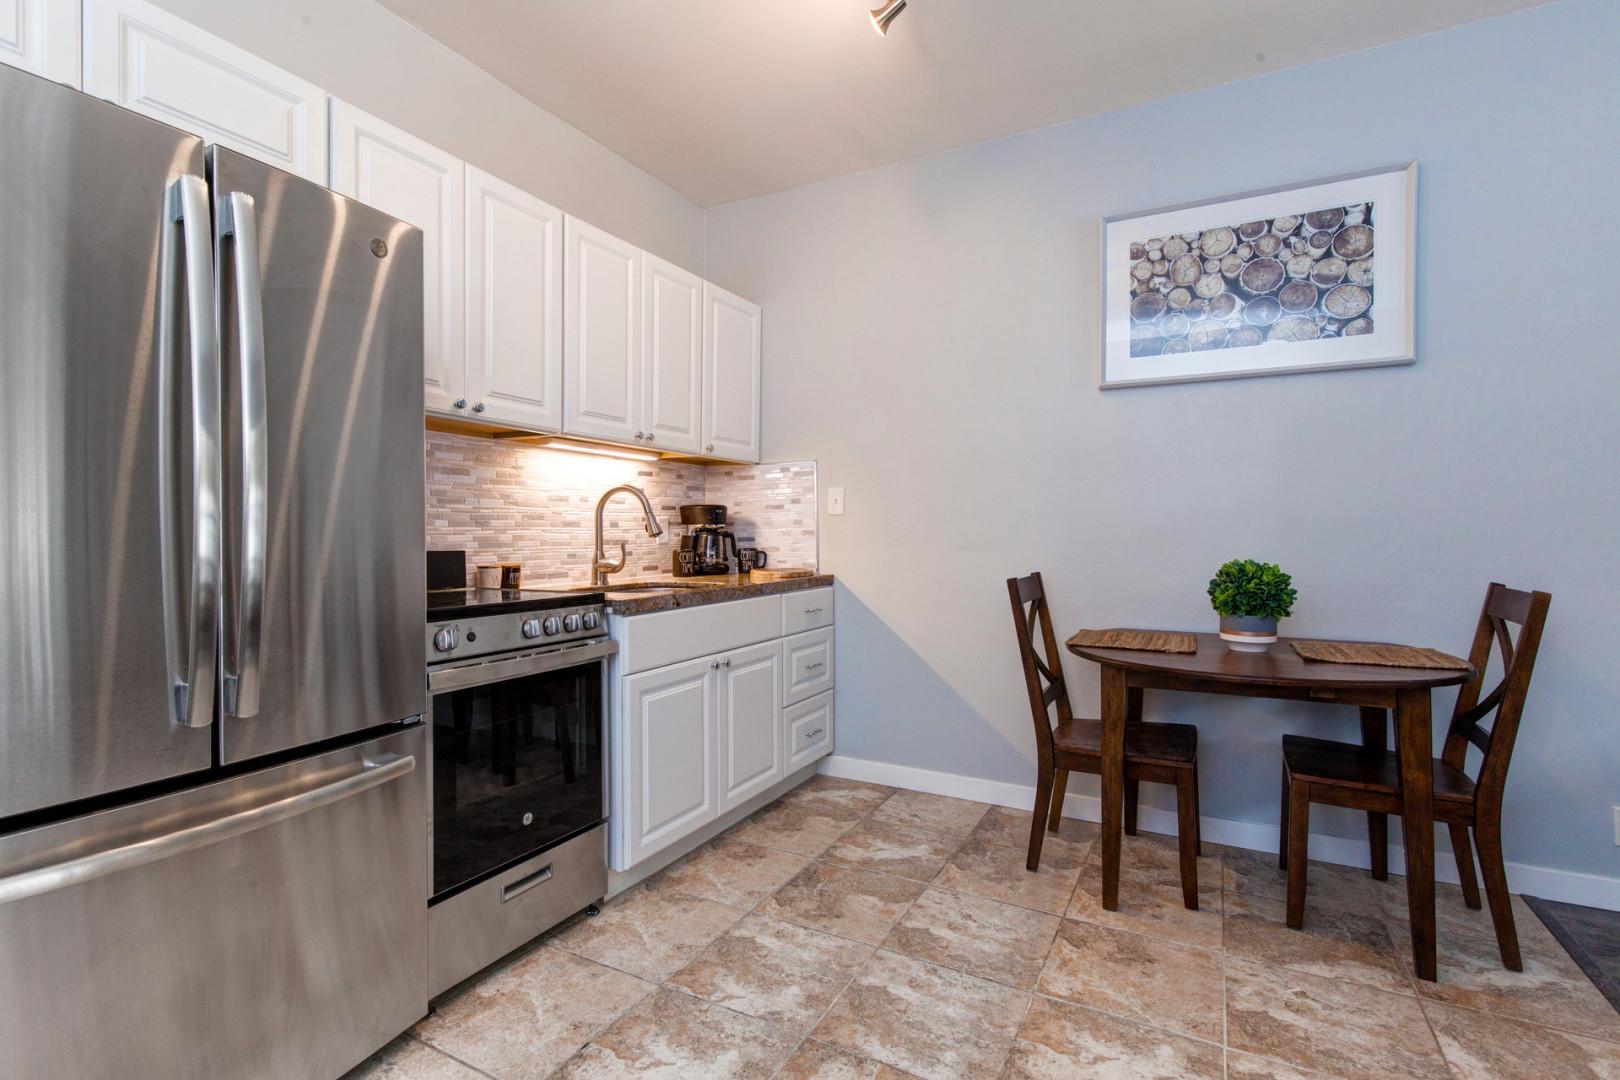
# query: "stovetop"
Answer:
x=443 y=604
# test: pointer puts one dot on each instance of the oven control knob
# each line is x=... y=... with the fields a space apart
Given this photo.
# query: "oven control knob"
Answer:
x=590 y=620
x=571 y=623
x=531 y=628
x=446 y=639
x=552 y=625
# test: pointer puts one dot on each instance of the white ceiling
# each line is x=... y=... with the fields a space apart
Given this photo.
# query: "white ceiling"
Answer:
x=724 y=99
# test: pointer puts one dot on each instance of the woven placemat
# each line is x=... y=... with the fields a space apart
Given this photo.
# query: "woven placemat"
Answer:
x=1171 y=641
x=1363 y=652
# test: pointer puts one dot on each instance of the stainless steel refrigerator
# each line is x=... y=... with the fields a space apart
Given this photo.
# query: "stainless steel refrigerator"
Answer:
x=212 y=799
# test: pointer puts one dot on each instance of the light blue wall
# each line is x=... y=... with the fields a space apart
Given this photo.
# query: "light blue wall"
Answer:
x=931 y=338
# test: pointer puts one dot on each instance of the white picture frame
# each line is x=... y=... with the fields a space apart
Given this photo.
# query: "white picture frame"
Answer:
x=1357 y=293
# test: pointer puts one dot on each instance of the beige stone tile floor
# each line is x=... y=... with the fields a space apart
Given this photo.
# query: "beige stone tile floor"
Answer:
x=853 y=932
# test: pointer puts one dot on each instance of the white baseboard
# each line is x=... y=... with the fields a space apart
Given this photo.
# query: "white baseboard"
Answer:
x=1565 y=885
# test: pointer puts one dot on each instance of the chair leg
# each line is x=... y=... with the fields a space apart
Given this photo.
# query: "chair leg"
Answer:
x=1060 y=785
x=1378 y=844
x=1131 y=787
x=1488 y=837
x=1037 y=823
x=1465 y=865
x=1198 y=814
x=1299 y=832
x=1187 y=836
x=1282 y=833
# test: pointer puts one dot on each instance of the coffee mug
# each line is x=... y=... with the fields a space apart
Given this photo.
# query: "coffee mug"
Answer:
x=750 y=559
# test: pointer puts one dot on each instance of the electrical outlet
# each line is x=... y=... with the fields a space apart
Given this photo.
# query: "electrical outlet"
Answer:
x=835 y=501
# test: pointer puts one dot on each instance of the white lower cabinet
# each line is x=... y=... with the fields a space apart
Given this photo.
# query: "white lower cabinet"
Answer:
x=694 y=738
x=751 y=752
x=669 y=756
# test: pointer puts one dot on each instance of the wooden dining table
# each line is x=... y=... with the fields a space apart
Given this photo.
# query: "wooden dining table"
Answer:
x=1280 y=672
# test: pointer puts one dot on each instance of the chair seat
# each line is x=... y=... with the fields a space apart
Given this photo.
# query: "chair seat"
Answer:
x=1324 y=761
x=1169 y=744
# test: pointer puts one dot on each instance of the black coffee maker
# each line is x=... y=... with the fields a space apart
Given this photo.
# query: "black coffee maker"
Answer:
x=709 y=548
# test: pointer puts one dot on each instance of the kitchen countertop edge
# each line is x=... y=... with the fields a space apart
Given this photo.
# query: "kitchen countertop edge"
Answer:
x=735 y=588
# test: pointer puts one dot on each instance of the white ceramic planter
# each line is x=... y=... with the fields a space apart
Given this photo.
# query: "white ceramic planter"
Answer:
x=1248 y=633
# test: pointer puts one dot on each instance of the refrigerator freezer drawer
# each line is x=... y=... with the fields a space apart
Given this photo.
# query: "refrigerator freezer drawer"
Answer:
x=471 y=930
x=270 y=925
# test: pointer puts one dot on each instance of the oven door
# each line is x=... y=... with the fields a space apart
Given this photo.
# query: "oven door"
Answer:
x=518 y=761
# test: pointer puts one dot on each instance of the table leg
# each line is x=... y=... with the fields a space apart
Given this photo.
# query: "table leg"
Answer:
x=1374 y=721
x=1114 y=710
x=1414 y=741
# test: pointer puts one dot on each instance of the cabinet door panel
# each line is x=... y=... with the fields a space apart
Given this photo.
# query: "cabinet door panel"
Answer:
x=399 y=174
x=672 y=355
x=731 y=374
x=669 y=717
x=145 y=59
x=601 y=334
x=514 y=304
x=750 y=730
x=41 y=36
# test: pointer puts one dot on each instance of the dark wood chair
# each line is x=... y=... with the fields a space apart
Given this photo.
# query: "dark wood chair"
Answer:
x=1367 y=777
x=1158 y=753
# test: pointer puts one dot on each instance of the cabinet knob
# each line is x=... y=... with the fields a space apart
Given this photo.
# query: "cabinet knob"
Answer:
x=460 y=403
x=709 y=448
x=726 y=662
x=649 y=436
x=638 y=436
x=714 y=665
x=478 y=407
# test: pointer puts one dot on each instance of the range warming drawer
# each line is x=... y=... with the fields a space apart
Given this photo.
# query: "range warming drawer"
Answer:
x=471 y=930
x=270 y=925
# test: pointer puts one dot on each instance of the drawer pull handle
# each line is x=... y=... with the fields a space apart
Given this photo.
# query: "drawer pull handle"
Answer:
x=812 y=734
x=812 y=611
x=523 y=884
x=817 y=664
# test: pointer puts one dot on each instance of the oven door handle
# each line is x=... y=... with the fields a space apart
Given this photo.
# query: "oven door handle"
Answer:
x=484 y=672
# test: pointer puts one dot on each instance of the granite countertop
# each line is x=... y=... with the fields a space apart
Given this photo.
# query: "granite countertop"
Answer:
x=714 y=590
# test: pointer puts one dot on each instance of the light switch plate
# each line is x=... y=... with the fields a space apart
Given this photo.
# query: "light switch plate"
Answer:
x=1617 y=826
x=835 y=502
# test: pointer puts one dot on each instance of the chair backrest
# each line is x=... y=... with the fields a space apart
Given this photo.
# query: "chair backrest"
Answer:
x=1043 y=675
x=1503 y=606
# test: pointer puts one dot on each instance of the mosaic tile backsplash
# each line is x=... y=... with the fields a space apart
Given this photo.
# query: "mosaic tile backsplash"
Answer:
x=506 y=502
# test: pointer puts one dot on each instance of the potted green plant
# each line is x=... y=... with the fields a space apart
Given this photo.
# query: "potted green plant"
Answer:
x=1250 y=597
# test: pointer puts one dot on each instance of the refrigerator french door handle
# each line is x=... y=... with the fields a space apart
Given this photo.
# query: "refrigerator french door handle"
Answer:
x=56 y=876
x=189 y=652
x=239 y=224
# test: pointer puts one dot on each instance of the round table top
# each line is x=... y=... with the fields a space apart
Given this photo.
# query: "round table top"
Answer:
x=1278 y=666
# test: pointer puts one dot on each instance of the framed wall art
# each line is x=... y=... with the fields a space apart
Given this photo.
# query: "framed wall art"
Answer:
x=1309 y=277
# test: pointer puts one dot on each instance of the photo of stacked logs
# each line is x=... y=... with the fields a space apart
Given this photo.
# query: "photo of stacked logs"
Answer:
x=1298 y=277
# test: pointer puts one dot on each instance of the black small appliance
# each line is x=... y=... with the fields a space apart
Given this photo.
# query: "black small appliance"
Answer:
x=709 y=548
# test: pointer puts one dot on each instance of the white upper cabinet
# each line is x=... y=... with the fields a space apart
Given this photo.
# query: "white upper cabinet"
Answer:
x=41 y=36
x=148 y=60
x=514 y=304
x=601 y=335
x=731 y=375
x=401 y=175
x=672 y=356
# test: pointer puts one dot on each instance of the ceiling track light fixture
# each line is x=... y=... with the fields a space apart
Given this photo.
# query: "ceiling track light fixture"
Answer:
x=883 y=16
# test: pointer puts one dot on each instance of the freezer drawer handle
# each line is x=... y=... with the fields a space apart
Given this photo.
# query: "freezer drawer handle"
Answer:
x=239 y=223
x=368 y=774
x=522 y=885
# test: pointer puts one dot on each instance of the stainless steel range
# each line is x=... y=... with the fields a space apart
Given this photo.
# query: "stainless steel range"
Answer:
x=517 y=681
